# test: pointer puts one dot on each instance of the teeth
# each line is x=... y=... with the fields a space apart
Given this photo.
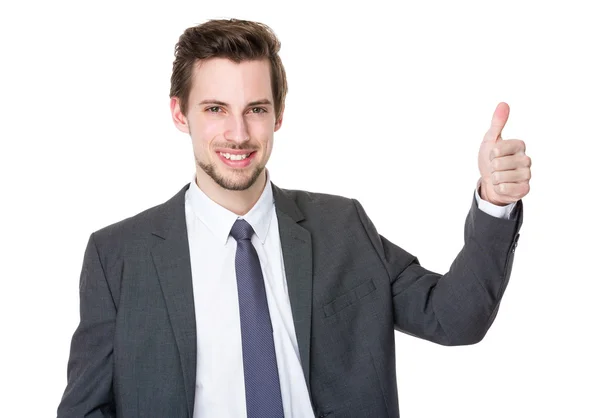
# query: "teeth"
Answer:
x=234 y=157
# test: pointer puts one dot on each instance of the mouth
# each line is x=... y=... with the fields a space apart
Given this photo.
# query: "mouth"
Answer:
x=237 y=159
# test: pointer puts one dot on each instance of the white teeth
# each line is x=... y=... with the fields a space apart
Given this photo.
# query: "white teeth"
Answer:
x=234 y=157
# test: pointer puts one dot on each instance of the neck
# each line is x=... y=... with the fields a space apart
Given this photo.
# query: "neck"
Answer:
x=237 y=201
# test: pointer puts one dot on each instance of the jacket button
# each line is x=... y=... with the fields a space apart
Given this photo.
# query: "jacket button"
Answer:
x=515 y=243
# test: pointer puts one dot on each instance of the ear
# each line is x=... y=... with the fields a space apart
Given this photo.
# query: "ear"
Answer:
x=179 y=118
x=279 y=121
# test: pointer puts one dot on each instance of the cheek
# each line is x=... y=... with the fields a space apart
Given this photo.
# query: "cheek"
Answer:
x=268 y=145
x=263 y=132
x=204 y=132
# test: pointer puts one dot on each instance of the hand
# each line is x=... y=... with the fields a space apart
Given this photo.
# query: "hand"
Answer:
x=504 y=167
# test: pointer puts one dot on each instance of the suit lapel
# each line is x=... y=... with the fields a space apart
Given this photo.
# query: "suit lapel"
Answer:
x=296 y=245
x=171 y=256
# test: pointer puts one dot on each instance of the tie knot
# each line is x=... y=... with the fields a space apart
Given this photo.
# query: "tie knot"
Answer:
x=241 y=230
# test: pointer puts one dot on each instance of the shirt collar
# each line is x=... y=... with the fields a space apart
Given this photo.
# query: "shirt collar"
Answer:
x=220 y=220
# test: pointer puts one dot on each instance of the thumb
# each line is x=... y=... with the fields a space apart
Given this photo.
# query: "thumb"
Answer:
x=498 y=121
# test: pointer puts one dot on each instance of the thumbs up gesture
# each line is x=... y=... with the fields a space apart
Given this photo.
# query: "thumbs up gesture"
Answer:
x=505 y=169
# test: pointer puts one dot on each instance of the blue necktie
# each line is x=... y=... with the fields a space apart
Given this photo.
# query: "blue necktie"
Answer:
x=261 y=378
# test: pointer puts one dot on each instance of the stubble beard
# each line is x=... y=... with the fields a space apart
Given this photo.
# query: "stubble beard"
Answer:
x=232 y=182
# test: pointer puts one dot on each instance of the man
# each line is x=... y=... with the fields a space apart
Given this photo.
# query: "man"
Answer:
x=236 y=298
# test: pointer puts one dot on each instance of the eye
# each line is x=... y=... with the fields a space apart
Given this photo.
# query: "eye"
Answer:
x=213 y=109
x=259 y=110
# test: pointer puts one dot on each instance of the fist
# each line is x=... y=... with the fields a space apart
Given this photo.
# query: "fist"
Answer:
x=505 y=169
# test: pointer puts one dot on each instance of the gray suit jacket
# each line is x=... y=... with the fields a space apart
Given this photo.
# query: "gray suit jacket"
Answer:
x=134 y=351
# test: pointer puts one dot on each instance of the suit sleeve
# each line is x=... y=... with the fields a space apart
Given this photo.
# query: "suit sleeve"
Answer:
x=458 y=307
x=89 y=371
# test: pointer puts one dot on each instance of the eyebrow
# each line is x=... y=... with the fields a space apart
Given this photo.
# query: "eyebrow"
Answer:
x=220 y=103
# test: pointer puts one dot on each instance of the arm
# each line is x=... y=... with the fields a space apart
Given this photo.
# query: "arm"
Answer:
x=456 y=308
x=89 y=372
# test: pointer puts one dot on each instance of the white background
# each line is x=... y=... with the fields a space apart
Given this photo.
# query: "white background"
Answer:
x=388 y=103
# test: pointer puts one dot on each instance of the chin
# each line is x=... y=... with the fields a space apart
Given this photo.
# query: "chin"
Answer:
x=239 y=181
x=229 y=178
x=235 y=184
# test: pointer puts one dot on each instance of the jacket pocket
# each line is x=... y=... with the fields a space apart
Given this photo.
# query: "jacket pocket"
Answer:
x=348 y=298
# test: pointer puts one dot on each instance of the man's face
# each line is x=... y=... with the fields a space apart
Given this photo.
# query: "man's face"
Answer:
x=231 y=120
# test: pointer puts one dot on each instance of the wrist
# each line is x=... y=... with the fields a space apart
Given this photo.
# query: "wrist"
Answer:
x=483 y=192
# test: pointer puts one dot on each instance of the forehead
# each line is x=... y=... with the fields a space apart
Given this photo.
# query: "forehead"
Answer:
x=223 y=79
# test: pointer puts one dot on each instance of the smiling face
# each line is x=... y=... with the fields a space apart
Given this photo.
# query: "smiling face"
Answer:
x=231 y=120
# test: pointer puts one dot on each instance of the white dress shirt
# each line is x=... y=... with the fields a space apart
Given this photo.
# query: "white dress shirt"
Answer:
x=220 y=370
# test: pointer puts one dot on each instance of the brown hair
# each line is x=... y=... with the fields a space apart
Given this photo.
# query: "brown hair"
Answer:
x=237 y=40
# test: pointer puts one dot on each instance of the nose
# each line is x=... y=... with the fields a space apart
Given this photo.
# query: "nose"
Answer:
x=236 y=129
